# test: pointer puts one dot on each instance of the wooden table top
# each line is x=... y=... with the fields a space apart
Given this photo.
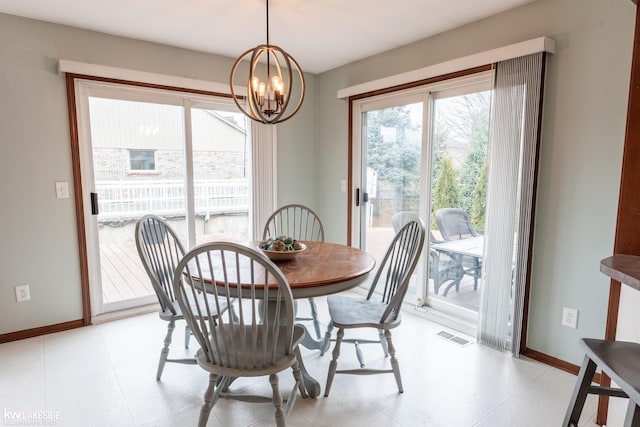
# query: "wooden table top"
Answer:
x=324 y=269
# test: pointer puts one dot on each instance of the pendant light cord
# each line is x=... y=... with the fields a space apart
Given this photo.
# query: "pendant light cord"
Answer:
x=267 y=22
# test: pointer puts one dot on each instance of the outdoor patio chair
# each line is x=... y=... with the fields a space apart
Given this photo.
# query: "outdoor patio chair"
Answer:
x=381 y=308
x=160 y=251
x=621 y=362
x=455 y=224
x=262 y=340
x=442 y=267
x=301 y=223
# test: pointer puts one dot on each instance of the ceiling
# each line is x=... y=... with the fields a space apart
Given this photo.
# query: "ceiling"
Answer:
x=319 y=34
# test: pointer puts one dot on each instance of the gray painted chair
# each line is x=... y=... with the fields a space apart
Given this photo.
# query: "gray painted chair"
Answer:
x=381 y=308
x=442 y=266
x=160 y=251
x=300 y=223
x=621 y=362
x=257 y=343
x=455 y=224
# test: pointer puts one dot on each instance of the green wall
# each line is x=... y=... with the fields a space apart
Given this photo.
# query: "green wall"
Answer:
x=38 y=236
x=585 y=101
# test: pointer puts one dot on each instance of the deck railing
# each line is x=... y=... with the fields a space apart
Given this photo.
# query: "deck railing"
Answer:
x=124 y=200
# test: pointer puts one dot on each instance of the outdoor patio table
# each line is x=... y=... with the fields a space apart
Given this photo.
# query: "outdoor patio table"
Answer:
x=472 y=247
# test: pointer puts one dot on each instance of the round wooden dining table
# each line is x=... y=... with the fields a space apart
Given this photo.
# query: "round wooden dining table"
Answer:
x=321 y=269
x=325 y=269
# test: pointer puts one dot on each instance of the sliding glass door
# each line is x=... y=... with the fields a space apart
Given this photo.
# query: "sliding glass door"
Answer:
x=390 y=174
x=419 y=153
x=184 y=158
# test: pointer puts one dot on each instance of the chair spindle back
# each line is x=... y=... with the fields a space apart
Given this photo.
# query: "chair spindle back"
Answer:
x=250 y=336
x=160 y=250
x=397 y=266
x=295 y=221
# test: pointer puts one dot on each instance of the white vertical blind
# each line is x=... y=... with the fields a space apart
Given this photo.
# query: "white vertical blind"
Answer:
x=264 y=158
x=512 y=157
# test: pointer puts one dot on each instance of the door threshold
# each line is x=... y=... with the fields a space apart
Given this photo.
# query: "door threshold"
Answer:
x=452 y=322
x=124 y=313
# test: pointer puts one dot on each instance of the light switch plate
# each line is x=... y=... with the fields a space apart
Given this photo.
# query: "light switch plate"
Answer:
x=62 y=189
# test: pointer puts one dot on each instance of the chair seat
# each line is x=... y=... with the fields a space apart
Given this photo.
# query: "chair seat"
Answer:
x=255 y=363
x=620 y=360
x=347 y=312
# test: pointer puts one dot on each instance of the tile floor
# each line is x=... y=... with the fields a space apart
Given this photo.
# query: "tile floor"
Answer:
x=104 y=375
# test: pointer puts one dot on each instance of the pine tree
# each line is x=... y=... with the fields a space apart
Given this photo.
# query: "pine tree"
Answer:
x=480 y=201
x=446 y=193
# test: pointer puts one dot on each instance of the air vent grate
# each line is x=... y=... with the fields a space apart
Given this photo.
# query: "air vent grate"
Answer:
x=454 y=338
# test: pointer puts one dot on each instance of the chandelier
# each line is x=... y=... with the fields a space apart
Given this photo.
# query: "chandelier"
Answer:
x=269 y=86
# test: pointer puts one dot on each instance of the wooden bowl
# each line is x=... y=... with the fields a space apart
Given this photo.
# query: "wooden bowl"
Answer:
x=277 y=256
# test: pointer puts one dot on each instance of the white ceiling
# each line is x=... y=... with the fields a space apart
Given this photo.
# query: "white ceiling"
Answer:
x=319 y=34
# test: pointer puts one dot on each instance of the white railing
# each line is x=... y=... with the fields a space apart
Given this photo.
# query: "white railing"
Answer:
x=122 y=200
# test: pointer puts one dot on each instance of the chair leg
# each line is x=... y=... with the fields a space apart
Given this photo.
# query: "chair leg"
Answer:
x=208 y=401
x=187 y=336
x=327 y=339
x=383 y=342
x=314 y=317
x=394 y=362
x=359 y=354
x=334 y=362
x=164 y=353
x=277 y=400
x=476 y=274
x=580 y=392
x=297 y=374
x=234 y=315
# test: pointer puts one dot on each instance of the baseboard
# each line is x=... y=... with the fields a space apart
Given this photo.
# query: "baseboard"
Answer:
x=563 y=365
x=42 y=330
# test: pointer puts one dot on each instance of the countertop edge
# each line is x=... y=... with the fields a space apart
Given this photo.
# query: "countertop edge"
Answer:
x=623 y=268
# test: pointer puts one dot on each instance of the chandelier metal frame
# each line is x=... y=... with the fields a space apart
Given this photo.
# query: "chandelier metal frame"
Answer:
x=268 y=99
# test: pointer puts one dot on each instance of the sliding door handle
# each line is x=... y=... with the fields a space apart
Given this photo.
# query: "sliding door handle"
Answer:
x=364 y=199
x=94 y=204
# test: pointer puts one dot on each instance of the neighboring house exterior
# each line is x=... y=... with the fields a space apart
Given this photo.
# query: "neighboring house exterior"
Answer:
x=139 y=165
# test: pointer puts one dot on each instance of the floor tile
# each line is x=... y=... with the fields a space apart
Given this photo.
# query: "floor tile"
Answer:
x=104 y=375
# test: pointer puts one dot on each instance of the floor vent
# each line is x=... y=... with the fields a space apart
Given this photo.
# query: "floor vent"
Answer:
x=454 y=338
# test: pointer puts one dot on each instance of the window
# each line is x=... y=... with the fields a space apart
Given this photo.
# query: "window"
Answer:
x=186 y=155
x=142 y=160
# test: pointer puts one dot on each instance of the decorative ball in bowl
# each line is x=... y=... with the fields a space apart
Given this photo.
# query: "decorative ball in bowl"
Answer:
x=282 y=248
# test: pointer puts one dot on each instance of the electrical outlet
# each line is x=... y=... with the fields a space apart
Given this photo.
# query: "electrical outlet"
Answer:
x=22 y=293
x=570 y=317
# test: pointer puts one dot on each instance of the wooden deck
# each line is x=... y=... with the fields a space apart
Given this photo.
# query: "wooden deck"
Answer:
x=124 y=277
